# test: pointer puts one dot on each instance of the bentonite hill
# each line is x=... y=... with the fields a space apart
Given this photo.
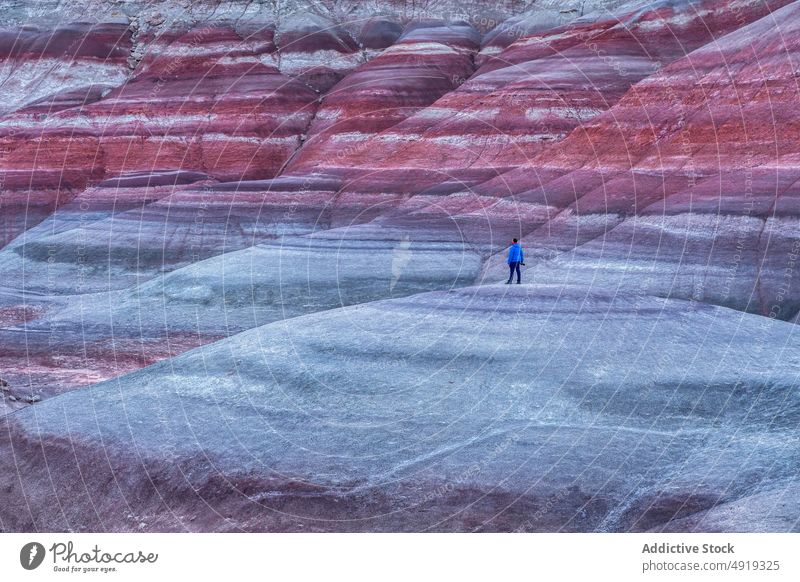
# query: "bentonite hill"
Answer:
x=252 y=258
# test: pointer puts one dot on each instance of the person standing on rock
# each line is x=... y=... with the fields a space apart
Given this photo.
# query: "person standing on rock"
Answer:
x=515 y=259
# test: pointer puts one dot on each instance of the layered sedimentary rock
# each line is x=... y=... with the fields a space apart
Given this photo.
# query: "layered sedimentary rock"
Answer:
x=488 y=408
x=541 y=88
x=314 y=176
x=77 y=336
x=133 y=227
x=690 y=179
x=201 y=101
x=317 y=50
x=152 y=230
x=42 y=72
x=41 y=63
x=543 y=16
x=429 y=60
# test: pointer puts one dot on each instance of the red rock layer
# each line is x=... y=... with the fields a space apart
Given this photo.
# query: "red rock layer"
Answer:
x=429 y=60
x=201 y=101
x=542 y=87
x=316 y=50
x=542 y=17
x=45 y=71
x=691 y=179
x=40 y=63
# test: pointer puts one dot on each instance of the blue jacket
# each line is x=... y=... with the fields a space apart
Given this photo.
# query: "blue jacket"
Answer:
x=515 y=254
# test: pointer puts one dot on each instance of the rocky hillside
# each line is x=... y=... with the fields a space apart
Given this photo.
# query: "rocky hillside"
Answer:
x=251 y=256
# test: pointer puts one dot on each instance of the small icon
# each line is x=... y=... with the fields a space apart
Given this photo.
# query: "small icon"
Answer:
x=31 y=555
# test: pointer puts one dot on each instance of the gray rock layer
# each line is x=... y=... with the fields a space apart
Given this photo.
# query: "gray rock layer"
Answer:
x=489 y=408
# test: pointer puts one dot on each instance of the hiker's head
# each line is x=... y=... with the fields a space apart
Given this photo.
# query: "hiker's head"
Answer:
x=515 y=240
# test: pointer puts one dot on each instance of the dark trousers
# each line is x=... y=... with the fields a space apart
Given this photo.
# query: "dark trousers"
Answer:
x=514 y=267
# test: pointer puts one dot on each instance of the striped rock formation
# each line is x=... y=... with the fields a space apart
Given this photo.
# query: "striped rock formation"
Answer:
x=427 y=61
x=388 y=416
x=258 y=268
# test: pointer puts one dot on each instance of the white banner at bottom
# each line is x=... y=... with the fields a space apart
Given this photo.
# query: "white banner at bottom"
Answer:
x=119 y=557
